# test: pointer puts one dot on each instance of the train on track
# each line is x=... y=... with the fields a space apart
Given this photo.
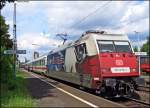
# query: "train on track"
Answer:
x=98 y=60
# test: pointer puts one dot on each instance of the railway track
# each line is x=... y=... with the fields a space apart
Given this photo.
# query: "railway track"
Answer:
x=130 y=102
x=142 y=96
x=144 y=88
x=136 y=103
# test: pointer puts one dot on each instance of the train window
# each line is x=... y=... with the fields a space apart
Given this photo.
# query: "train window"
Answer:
x=40 y=63
x=122 y=46
x=106 y=46
x=43 y=62
x=49 y=59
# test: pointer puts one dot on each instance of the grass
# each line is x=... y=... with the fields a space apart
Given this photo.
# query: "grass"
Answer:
x=17 y=96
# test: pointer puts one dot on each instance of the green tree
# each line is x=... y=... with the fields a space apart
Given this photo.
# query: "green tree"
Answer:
x=135 y=49
x=3 y=2
x=6 y=61
x=5 y=37
x=146 y=46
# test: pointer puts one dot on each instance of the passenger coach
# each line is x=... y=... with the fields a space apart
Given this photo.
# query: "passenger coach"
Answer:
x=38 y=64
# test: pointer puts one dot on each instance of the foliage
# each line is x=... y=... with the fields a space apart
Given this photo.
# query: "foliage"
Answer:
x=13 y=91
x=18 y=97
x=3 y=2
x=146 y=46
x=6 y=75
x=6 y=61
x=5 y=37
x=135 y=49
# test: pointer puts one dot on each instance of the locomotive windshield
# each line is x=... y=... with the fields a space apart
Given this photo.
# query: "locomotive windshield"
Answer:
x=114 y=46
x=106 y=46
x=122 y=46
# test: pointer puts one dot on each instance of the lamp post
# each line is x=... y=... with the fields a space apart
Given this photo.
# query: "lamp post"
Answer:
x=139 y=68
x=15 y=37
x=14 y=40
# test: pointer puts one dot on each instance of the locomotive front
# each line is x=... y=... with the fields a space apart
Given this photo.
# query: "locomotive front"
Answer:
x=117 y=65
x=114 y=66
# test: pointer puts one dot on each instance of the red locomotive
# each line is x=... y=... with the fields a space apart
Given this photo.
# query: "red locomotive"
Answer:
x=98 y=60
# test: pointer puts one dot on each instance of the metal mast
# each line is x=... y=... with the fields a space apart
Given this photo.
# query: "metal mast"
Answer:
x=139 y=60
x=14 y=40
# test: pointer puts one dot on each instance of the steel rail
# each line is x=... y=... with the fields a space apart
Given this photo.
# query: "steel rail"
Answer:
x=143 y=88
x=138 y=101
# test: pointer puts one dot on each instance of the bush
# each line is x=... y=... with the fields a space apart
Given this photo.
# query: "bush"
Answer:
x=6 y=69
x=18 y=97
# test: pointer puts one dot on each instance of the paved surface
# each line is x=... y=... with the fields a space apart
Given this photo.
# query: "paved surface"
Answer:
x=50 y=93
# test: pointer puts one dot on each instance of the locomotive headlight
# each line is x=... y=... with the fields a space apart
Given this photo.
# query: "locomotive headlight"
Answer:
x=134 y=70
x=104 y=70
x=96 y=78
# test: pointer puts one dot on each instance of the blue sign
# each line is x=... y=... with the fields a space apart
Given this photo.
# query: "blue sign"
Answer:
x=21 y=51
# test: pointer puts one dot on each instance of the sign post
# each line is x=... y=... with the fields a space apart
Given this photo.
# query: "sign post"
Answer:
x=140 y=53
x=21 y=52
x=139 y=59
x=9 y=52
x=15 y=52
x=14 y=39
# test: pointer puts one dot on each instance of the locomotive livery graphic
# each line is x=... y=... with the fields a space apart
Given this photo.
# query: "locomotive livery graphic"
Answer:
x=98 y=60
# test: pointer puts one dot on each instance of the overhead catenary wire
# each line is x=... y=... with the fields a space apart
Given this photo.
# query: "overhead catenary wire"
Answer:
x=93 y=12
x=127 y=23
x=116 y=27
x=98 y=9
x=84 y=18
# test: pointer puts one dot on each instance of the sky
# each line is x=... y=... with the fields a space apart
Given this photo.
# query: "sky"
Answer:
x=38 y=22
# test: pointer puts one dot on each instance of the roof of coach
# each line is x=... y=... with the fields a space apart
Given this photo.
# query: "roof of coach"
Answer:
x=59 y=48
x=100 y=35
x=28 y=62
x=103 y=35
x=41 y=57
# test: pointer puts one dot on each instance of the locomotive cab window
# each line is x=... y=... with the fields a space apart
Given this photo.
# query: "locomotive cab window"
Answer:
x=106 y=46
x=122 y=46
x=114 y=46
